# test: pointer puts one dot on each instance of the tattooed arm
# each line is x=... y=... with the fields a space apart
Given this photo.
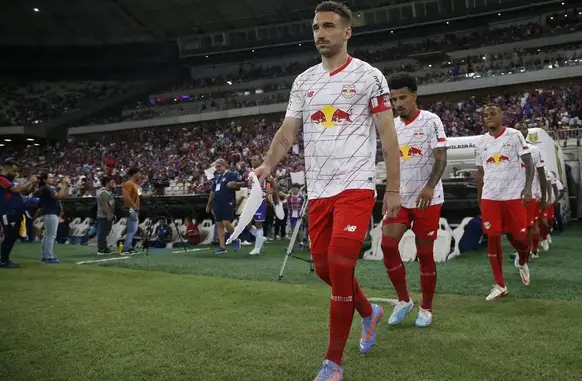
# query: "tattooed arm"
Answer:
x=438 y=168
x=282 y=142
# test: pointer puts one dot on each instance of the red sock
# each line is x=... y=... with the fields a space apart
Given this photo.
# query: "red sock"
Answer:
x=428 y=275
x=521 y=244
x=535 y=241
x=496 y=258
x=363 y=305
x=343 y=255
x=395 y=268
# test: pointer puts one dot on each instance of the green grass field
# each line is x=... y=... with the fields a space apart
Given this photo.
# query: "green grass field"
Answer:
x=199 y=317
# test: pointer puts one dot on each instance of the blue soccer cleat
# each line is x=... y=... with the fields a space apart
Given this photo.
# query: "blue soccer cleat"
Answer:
x=51 y=261
x=424 y=318
x=401 y=309
x=220 y=250
x=369 y=325
x=236 y=245
x=330 y=371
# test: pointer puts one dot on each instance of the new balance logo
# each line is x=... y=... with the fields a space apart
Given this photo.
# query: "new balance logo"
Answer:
x=430 y=234
x=350 y=228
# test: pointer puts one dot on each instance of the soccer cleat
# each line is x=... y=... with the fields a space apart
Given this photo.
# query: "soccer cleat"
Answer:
x=545 y=245
x=549 y=238
x=51 y=261
x=535 y=255
x=236 y=245
x=424 y=318
x=255 y=251
x=401 y=309
x=369 y=325
x=9 y=265
x=104 y=252
x=496 y=292
x=330 y=371
x=220 y=250
x=524 y=274
x=246 y=243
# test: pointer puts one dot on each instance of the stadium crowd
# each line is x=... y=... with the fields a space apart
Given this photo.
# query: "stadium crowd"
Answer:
x=180 y=154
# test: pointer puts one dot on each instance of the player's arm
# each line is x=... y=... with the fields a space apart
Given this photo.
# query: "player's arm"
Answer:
x=524 y=153
x=274 y=191
x=105 y=202
x=479 y=178
x=438 y=143
x=234 y=182
x=556 y=192
x=287 y=133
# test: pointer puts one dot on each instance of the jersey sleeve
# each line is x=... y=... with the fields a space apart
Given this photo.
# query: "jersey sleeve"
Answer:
x=438 y=139
x=478 y=155
x=520 y=145
x=539 y=163
x=559 y=185
x=378 y=92
x=4 y=183
x=296 y=101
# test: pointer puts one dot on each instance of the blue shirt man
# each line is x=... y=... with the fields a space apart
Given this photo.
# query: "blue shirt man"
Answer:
x=48 y=203
x=222 y=202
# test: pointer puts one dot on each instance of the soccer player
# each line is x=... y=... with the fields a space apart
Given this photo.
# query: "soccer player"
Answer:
x=556 y=189
x=12 y=208
x=503 y=189
x=222 y=202
x=339 y=104
x=538 y=201
x=423 y=159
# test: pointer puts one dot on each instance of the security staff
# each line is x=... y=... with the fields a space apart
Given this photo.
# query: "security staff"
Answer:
x=12 y=208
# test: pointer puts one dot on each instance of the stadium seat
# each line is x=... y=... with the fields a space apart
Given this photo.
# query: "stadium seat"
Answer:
x=407 y=246
x=457 y=235
x=206 y=229
x=374 y=253
x=442 y=245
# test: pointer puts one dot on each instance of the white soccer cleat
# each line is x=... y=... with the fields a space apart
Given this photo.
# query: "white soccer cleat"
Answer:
x=496 y=292
x=524 y=274
x=401 y=309
x=535 y=255
x=546 y=245
x=255 y=251
x=246 y=243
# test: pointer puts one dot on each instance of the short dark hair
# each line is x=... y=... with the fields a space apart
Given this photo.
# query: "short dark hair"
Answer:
x=105 y=180
x=402 y=80
x=338 y=8
x=132 y=171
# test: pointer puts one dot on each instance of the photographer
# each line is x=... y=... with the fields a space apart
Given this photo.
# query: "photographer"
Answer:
x=105 y=214
x=12 y=208
x=50 y=209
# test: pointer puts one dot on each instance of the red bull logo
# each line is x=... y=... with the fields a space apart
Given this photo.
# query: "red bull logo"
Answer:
x=348 y=91
x=408 y=152
x=497 y=159
x=329 y=116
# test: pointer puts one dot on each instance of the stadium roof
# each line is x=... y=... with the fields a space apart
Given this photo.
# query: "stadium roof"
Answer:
x=103 y=22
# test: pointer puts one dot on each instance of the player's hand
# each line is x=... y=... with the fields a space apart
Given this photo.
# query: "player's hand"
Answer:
x=110 y=218
x=208 y=209
x=263 y=171
x=32 y=180
x=526 y=195
x=425 y=198
x=391 y=204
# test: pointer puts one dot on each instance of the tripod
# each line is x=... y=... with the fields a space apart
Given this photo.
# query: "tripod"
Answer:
x=149 y=229
x=289 y=250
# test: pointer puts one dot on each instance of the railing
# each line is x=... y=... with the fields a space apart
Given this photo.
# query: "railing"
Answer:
x=566 y=134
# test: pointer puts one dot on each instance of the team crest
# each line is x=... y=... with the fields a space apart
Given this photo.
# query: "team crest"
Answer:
x=348 y=91
x=533 y=137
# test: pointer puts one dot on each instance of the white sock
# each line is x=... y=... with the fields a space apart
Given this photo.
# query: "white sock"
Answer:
x=253 y=230
x=259 y=239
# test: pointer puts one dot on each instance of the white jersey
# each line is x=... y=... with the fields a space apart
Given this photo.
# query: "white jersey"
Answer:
x=500 y=157
x=552 y=180
x=338 y=130
x=538 y=162
x=417 y=139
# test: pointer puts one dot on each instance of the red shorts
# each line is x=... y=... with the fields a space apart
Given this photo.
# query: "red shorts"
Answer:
x=426 y=222
x=532 y=212
x=548 y=212
x=346 y=215
x=504 y=217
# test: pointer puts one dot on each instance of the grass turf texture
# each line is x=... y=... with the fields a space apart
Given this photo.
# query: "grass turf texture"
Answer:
x=186 y=320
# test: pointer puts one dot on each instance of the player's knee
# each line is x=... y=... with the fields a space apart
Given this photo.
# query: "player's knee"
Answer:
x=425 y=252
x=321 y=267
x=343 y=252
x=389 y=245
